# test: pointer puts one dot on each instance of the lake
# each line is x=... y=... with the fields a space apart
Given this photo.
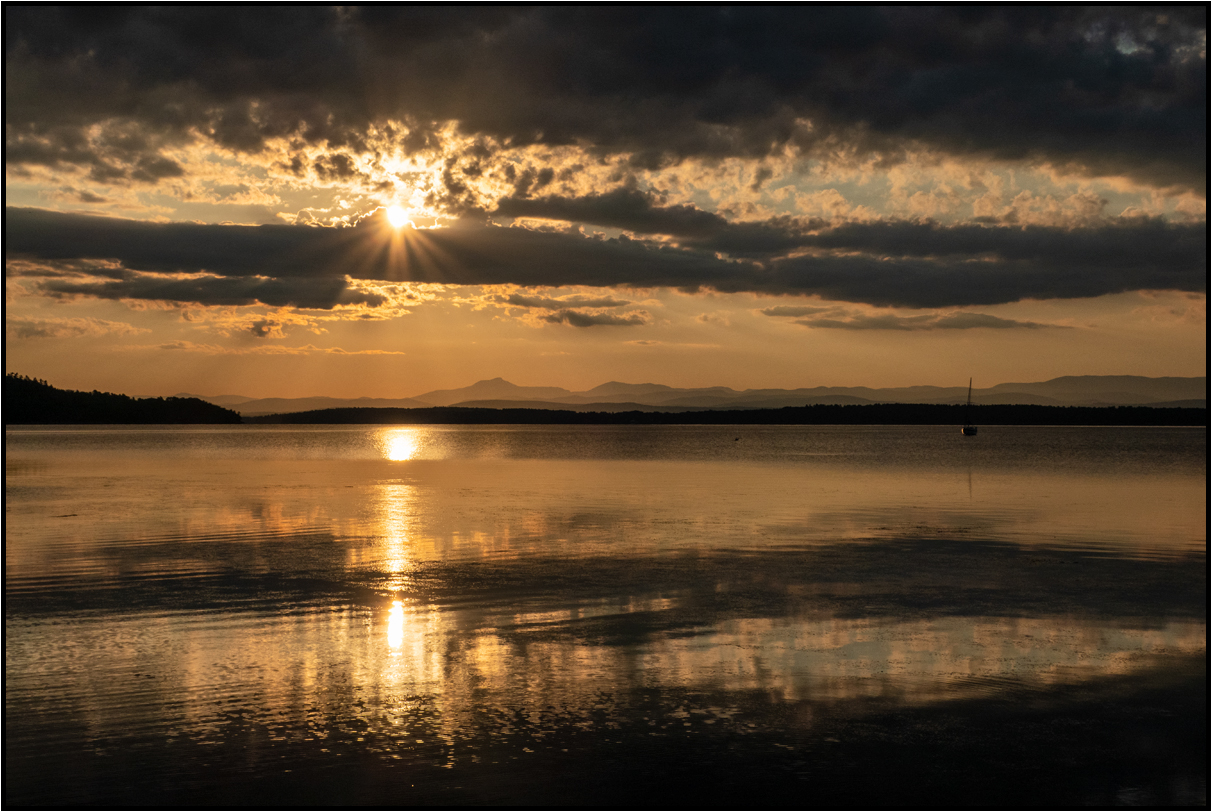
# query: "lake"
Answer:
x=605 y=615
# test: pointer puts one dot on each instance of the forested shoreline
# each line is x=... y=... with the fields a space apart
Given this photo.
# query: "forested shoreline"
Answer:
x=29 y=401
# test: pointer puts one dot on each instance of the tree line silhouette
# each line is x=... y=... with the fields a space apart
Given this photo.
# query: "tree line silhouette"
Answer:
x=30 y=400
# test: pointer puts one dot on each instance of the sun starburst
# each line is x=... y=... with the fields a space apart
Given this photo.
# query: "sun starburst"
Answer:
x=398 y=217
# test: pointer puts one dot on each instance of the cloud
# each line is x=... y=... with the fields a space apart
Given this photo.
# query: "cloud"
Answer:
x=1099 y=243
x=944 y=321
x=897 y=263
x=1189 y=309
x=306 y=266
x=793 y=311
x=71 y=195
x=648 y=342
x=577 y=310
x=843 y=318
x=639 y=212
x=578 y=318
x=267 y=328
x=322 y=294
x=24 y=327
x=274 y=349
x=1123 y=244
x=1113 y=91
x=624 y=208
x=549 y=303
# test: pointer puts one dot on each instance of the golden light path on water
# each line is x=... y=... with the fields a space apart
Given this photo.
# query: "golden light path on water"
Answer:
x=432 y=586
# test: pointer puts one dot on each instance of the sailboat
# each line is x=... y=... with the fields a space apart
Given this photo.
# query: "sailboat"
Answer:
x=968 y=430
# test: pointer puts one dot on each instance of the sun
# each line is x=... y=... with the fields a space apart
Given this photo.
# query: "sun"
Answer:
x=397 y=216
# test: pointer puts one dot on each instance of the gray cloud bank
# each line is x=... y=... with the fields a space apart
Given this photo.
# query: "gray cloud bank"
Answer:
x=893 y=263
x=1120 y=90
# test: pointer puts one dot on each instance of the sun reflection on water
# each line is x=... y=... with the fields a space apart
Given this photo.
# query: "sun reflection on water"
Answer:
x=521 y=598
x=399 y=445
x=395 y=626
x=396 y=517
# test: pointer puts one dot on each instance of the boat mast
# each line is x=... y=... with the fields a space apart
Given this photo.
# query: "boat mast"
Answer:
x=968 y=408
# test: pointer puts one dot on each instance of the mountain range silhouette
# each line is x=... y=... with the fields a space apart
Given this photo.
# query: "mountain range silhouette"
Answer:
x=1071 y=390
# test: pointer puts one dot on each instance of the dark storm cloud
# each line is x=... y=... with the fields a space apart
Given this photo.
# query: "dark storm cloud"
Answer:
x=954 y=281
x=175 y=247
x=1118 y=90
x=217 y=290
x=1001 y=263
x=922 y=261
x=1158 y=254
x=1143 y=243
x=467 y=253
x=901 y=264
x=639 y=212
x=629 y=209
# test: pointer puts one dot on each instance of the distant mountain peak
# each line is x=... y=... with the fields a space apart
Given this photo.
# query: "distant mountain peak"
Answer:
x=491 y=389
x=618 y=387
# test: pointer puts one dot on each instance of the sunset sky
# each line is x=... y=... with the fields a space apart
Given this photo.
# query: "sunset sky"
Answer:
x=381 y=202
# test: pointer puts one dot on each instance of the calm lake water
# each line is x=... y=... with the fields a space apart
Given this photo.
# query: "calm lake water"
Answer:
x=548 y=615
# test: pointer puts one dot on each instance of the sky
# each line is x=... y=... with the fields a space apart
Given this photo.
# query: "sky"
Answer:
x=380 y=202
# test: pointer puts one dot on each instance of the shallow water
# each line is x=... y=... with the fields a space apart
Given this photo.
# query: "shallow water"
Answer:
x=567 y=615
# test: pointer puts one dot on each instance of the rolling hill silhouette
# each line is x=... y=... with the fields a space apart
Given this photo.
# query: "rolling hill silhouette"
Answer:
x=1083 y=390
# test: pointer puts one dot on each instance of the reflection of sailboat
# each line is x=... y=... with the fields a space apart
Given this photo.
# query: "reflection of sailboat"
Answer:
x=968 y=430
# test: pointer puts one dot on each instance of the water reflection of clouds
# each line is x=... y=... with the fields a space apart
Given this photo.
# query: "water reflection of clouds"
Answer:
x=915 y=661
x=588 y=578
x=601 y=608
x=405 y=663
x=796 y=660
x=429 y=508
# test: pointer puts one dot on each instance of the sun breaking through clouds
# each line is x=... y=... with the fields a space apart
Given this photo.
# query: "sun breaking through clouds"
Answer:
x=379 y=201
